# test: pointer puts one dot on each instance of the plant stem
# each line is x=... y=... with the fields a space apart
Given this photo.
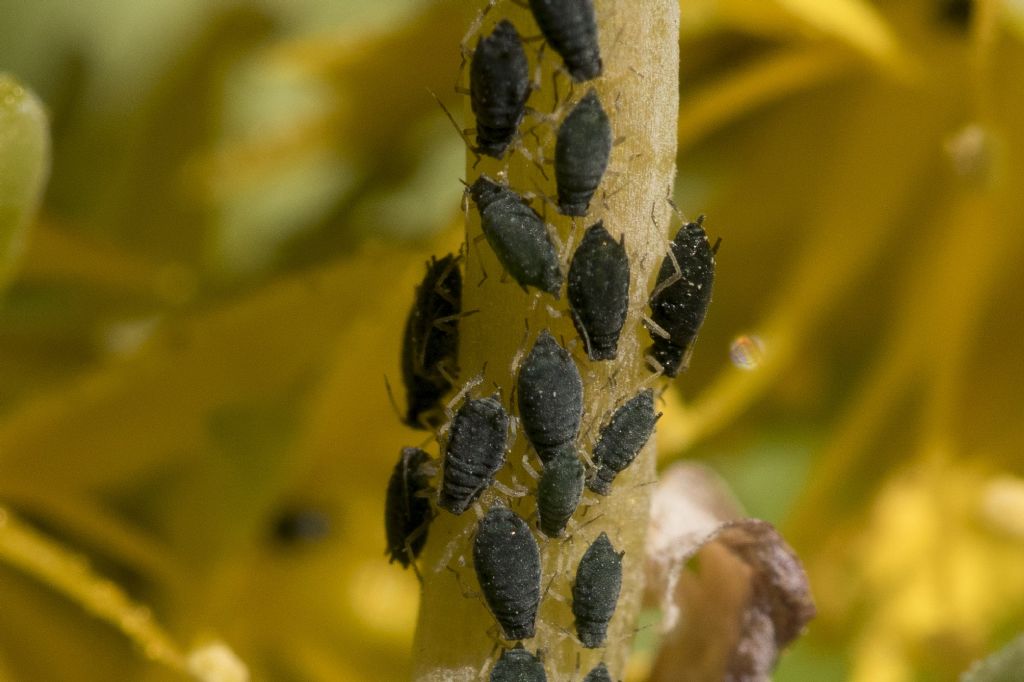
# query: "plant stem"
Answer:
x=456 y=635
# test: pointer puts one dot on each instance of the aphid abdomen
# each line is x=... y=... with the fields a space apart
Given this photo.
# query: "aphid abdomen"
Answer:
x=570 y=27
x=582 y=148
x=429 y=349
x=679 y=309
x=406 y=510
x=598 y=674
x=559 y=492
x=499 y=85
x=596 y=591
x=507 y=563
x=518 y=665
x=621 y=440
x=475 y=452
x=518 y=236
x=550 y=395
x=598 y=288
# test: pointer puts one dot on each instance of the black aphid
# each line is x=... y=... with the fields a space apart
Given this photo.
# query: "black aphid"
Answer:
x=559 y=492
x=431 y=342
x=621 y=439
x=499 y=84
x=598 y=287
x=680 y=307
x=550 y=395
x=475 y=452
x=518 y=665
x=571 y=29
x=507 y=563
x=407 y=510
x=598 y=674
x=518 y=236
x=596 y=591
x=581 y=154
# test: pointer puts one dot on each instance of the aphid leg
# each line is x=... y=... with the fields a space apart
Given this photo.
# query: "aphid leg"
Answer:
x=514 y=493
x=467 y=593
x=528 y=468
x=538 y=72
x=576 y=669
x=654 y=328
x=492 y=658
x=476 y=247
x=656 y=367
x=443 y=323
x=671 y=279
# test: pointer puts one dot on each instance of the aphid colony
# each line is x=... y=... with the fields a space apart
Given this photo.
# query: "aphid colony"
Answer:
x=549 y=391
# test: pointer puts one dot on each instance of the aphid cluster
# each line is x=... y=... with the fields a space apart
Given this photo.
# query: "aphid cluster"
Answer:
x=477 y=432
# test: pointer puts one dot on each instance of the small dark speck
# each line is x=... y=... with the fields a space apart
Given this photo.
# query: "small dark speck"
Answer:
x=957 y=12
x=295 y=527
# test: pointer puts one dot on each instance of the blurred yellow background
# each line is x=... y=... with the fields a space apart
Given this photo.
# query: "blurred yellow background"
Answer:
x=241 y=195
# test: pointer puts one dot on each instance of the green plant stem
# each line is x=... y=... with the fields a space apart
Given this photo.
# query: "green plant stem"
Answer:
x=456 y=635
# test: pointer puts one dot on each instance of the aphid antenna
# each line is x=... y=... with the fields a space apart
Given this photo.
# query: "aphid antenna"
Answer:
x=474 y=27
x=470 y=384
x=426 y=439
x=675 y=208
x=463 y=133
x=391 y=399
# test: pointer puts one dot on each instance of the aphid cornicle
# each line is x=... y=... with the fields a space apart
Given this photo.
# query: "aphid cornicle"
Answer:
x=499 y=84
x=598 y=288
x=596 y=591
x=621 y=439
x=518 y=665
x=570 y=27
x=559 y=492
x=518 y=236
x=431 y=342
x=475 y=452
x=507 y=562
x=679 y=308
x=598 y=674
x=407 y=511
x=550 y=396
x=582 y=148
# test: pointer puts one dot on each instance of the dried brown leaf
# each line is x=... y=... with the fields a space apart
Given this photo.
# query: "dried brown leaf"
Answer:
x=747 y=599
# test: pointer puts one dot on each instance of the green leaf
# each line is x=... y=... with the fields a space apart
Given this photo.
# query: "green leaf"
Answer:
x=24 y=167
